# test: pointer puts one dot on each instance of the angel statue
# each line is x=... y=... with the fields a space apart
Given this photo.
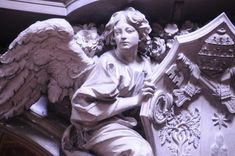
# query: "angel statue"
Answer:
x=46 y=59
x=117 y=84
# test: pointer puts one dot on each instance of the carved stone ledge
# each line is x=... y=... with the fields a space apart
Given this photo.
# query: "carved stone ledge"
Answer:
x=28 y=134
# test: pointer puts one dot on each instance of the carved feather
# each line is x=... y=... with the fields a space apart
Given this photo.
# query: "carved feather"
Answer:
x=43 y=59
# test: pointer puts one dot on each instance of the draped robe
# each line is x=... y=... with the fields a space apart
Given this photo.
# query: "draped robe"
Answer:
x=98 y=106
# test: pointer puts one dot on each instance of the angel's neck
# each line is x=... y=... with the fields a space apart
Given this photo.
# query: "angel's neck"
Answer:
x=127 y=56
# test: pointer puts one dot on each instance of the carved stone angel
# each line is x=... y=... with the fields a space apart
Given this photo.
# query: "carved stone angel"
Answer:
x=46 y=59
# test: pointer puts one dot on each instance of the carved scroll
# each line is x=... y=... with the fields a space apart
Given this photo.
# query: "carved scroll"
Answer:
x=161 y=107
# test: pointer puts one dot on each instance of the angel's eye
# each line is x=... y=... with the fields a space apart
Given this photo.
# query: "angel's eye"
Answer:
x=130 y=30
x=117 y=32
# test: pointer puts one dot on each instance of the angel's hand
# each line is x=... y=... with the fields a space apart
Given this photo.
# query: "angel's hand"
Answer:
x=147 y=91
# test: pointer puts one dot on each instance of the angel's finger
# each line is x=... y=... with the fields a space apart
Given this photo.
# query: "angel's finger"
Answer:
x=149 y=85
x=148 y=90
x=147 y=95
x=150 y=94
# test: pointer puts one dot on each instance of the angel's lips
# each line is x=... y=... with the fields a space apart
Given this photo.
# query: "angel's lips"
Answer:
x=124 y=43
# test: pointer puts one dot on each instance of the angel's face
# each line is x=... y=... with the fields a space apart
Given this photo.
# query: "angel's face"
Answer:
x=125 y=35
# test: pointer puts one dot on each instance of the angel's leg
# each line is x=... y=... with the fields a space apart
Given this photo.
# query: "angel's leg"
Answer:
x=118 y=140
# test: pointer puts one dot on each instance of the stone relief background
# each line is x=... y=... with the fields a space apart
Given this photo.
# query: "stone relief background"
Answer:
x=200 y=121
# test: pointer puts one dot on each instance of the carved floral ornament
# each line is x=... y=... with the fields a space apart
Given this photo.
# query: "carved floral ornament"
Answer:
x=88 y=38
x=221 y=120
x=181 y=133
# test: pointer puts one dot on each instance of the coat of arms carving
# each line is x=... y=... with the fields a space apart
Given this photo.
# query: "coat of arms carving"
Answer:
x=195 y=84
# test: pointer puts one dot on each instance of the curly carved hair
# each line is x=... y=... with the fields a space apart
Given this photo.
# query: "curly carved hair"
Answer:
x=135 y=19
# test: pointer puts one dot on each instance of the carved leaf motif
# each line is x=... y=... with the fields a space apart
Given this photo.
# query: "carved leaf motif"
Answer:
x=196 y=142
x=173 y=150
x=181 y=131
x=162 y=137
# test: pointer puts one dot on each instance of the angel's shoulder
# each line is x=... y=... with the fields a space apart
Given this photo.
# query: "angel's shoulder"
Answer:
x=107 y=58
x=109 y=55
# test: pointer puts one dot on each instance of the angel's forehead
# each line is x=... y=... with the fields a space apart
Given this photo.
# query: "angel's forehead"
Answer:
x=122 y=24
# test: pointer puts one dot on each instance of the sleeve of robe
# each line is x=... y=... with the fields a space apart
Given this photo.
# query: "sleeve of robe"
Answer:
x=98 y=98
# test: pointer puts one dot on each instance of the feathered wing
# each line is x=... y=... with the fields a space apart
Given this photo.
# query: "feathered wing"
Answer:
x=43 y=59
